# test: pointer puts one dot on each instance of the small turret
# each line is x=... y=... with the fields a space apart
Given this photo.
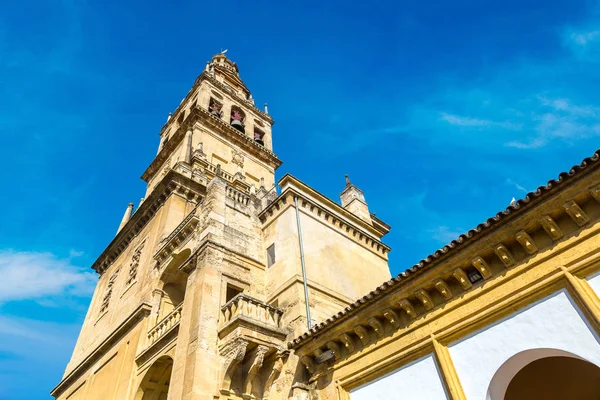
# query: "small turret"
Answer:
x=353 y=200
x=126 y=217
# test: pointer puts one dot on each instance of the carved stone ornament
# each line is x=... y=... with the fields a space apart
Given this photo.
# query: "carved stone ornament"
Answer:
x=237 y=158
x=392 y=317
x=376 y=325
x=362 y=334
x=550 y=227
x=462 y=278
x=309 y=363
x=347 y=341
x=234 y=353
x=576 y=213
x=424 y=297
x=257 y=362
x=443 y=288
x=481 y=266
x=504 y=255
x=526 y=241
x=408 y=308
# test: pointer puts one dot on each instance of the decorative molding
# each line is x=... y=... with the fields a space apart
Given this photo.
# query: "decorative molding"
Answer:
x=481 y=266
x=527 y=242
x=443 y=288
x=576 y=213
x=425 y=299
x=462 y=278
x=376 y=325
x=392 y=317
x=362 y=334
x=504 y=255
x=347 y=341
x=408 y=308
x=551 y=228
x=173 y=182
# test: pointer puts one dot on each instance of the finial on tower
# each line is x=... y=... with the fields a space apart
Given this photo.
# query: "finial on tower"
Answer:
x=266 y=109
x=347 y=180
x=126 y=217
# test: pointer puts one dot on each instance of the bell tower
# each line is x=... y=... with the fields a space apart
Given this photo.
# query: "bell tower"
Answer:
x=215 y=272
x=219 y=124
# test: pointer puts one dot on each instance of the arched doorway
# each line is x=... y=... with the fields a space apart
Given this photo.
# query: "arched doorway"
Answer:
x=547 y=374
x=155 y=385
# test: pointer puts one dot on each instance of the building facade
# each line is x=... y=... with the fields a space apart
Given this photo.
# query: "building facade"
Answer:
x=203 y=286
x=219 y=286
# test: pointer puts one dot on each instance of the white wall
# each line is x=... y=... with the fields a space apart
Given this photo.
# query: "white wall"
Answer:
x=594 y=282
x=419 y=380
x=554 y=322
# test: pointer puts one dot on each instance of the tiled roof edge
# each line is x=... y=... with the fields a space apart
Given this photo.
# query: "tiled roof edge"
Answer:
x=501 y=217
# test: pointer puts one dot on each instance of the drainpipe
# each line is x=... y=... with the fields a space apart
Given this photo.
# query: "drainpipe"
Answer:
x=302 y=262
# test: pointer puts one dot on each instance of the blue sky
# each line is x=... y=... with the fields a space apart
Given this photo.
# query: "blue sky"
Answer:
x=440 y=111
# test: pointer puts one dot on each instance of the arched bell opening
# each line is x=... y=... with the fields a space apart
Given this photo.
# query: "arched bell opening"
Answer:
x=155 y=384
x=215 y=107
x=259 y=136
x=548 y=374
x=237 y=119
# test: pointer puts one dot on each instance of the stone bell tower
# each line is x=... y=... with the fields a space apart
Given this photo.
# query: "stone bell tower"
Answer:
x=215 y=271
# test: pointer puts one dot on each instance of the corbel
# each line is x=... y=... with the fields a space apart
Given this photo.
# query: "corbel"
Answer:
x=309 y=363
x=362 y=334
x=347 y=341
x=595 y=192
x=391 y=316
x=462 y=278
x=576 y=213
x=526 y=241
x=443 y=288
x=550 y=227
x=481 y=266
x=424 y=297
x=408 y=307
x=504 y=255
x=376 y=325
x=335 y=348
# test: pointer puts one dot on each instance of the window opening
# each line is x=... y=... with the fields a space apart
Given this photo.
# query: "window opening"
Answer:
x=232 y=291
x=271 y=255
x=258 y=136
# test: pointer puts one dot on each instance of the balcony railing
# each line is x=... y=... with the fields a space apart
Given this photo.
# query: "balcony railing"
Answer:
x=165 y=325
x=249 y=308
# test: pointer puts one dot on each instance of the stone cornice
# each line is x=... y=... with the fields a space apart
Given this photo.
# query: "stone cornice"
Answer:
x=172 y=182
x=142 y=311
x=326 y=210
x=236 y=137
x=556 y=212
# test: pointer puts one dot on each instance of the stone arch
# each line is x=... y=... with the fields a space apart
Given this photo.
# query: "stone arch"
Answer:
x=531 y=369
x=173 y=283
x=155 y=384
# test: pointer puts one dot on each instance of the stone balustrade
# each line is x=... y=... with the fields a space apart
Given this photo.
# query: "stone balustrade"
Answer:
x=250 y=308
x=165 y=325
x=237 y=196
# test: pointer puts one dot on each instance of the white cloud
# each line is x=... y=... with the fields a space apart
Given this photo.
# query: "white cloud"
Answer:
x=32 y=275
x=584 y=38
x=471 y=122
x=516 y=185
x=444 y=234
